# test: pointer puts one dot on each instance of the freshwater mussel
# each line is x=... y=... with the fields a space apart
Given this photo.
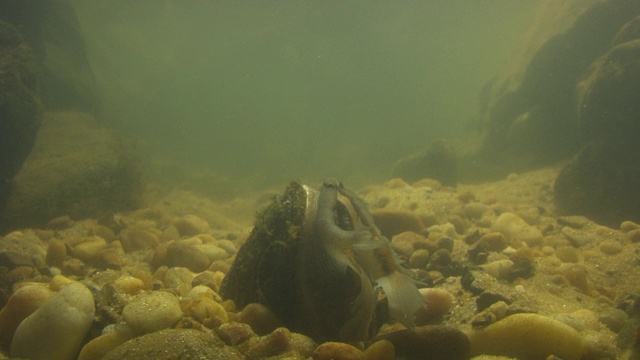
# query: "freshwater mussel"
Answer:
x=317 y=260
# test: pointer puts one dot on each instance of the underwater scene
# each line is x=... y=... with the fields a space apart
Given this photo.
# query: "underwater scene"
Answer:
x=348 y=180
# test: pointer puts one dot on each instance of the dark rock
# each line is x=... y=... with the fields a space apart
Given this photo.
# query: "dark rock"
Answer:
x=486 y=299
x=395 y=221
x=467 y=281
x=529 y=114
x=77 y=169
x=437 y=162
x=20 y=110
x=430 y=342
x=522 y=268
x=173 y=344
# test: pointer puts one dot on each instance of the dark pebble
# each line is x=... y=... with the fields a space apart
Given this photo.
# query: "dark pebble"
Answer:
x=487 y=299
x=430 y=342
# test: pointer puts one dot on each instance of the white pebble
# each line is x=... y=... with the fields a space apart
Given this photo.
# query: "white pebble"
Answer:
x=56 y=330
x=151 y=312
x=517 y=230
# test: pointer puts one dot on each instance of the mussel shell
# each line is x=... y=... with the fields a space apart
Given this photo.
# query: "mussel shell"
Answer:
x=272 y=269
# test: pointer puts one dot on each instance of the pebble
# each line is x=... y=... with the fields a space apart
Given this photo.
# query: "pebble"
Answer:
x=170 y=344
x=403 y=243
x=97 y=348
x=633 y=235
x=574 y=221
x=234 y=333
x=213 y=252
x=151 y=312
x=129 y=284
x=627 y=226
x=57 y=329
x=439 y=302
x=261 y=319
x=439 y=342
x=527 y=336
x=380 y=350
x=395 y=221
x=499 y=269
x=89 y=250
x=613 y=318
x=138 y=239
x=567 y=254
x=207 y=311
x=610 y=247
x=419 y=258
x=576 y=237
x=493 y=241
x=56 y=253
x=577 y=276
x=337 y=351
x=191 y=225
x=22 y=303
x=517 y=230
x=181 y=254
x=475 y=210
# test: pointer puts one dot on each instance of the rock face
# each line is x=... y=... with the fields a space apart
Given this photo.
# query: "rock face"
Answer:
x=20 y=113
x=77 y=168
x=529 y=113
x=573 y=90
x=437 y=162
x=602 y=181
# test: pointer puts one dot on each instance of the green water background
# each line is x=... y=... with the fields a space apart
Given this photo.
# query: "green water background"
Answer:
x=229 y=95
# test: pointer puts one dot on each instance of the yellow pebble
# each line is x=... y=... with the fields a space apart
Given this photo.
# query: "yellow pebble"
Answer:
x=58 y=282
x=129 y=284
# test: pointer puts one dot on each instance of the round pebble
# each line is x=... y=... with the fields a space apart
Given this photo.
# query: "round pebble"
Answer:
x=337 y=351
x=97 y=348
x=56 y=253
x=527 y=336
x=380 y=350
x=439 y=302
x=610 y=247
x=57 y=329
x=403 y=242
x=22 y=303
x=89 y=250
x=261 y=319
x=190 y=225
x=151 y=312
x=517 y=230
x=419 y=258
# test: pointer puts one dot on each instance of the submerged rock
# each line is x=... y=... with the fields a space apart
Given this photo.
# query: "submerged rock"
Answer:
x=56 y=330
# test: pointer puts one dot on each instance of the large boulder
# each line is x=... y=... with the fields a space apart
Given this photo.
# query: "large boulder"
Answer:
x=602 y=182
x=77 y=168
x=20 y=111
x=529 y=115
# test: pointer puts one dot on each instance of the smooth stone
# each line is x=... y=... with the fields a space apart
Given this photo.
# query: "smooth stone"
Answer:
x=499 y=269
x=151 y=312
x=432 y=342
x=633 y=235
x=439 y=302
x=517 y=230
x=395 y=221
x=57 y=330
x=56 y=253
x=527 y=337
x=403 y=243
x=494 y=241
x=567 y=254
x=261 y=319
x=610 y=247
x=578 y=238
x=337 y=351
x=419 y=258
x=138 y=239
x=234 y=333
x=191 y=225
x=574 y=221
x=380 y=350
x=214 y=252
x=475 y=210
x=22 y=303
x=89 y=250
x=171 y=344
x=129 y=284
x=207 y=311
x=627 y=226
x=97 y=348
x=181 y=254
